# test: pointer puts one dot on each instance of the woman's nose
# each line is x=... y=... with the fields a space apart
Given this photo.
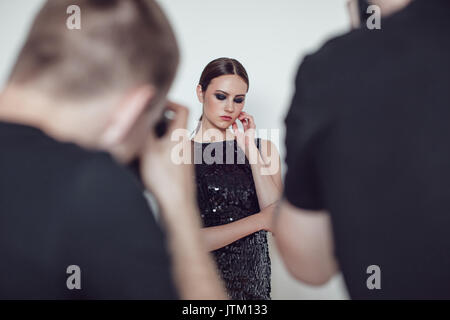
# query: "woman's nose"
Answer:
x=229 y=107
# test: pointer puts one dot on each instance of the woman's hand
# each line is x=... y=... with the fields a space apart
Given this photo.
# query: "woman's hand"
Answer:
x=246 y=139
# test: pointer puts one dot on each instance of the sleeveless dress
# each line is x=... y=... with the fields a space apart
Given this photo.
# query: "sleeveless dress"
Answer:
x=226 y=193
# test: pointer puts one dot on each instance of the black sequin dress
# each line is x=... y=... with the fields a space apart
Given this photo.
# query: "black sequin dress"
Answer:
x=226 y=193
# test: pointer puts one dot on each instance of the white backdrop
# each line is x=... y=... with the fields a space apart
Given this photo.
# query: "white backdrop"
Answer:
x=268 y=37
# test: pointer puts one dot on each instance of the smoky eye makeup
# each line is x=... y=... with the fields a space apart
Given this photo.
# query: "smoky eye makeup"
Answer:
x=223 y=96
x=220 y=96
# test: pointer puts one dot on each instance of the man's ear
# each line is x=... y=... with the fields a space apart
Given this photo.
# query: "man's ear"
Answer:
x=127 y=113
x=353 y=12
x=200 y=93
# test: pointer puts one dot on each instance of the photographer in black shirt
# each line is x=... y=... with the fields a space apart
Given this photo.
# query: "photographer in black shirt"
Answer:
x=367 y=189
x=78 y=108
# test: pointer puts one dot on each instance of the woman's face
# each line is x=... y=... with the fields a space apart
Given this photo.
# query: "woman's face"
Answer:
x=223 y=100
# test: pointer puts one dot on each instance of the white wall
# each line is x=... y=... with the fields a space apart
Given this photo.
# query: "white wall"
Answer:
x=15 y=19
x=268 y=37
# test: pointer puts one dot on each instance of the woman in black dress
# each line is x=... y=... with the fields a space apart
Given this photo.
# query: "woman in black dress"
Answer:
x=236 y=198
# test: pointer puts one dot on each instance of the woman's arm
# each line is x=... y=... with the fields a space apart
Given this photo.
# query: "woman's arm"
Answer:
x=266 y=172
x=220 y=236
x=266 y=166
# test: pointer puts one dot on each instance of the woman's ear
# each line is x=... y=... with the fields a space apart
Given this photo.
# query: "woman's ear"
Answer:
x=200 y=93
x=126 y=114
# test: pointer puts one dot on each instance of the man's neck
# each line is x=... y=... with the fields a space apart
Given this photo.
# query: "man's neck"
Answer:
x=26 y=108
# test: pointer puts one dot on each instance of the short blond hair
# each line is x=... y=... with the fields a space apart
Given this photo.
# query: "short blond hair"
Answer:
x=121 y=44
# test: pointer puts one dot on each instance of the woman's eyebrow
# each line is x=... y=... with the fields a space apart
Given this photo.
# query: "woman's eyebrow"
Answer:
x=226 y=93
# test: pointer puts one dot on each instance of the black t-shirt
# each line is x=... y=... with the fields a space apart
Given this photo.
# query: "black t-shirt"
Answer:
x=61 y=205
x=368 y=140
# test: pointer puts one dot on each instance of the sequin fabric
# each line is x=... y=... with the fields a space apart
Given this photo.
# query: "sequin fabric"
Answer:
x=226 y=193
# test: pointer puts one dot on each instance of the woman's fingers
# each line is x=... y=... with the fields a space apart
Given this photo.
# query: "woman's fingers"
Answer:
x=249 y=121
x=243 y=118
x=245 y=124
x=234 y=128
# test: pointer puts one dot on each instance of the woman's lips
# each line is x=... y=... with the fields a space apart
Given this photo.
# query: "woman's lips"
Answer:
x=225 y=118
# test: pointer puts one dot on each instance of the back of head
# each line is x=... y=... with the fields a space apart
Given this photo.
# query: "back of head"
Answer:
x=121 y=44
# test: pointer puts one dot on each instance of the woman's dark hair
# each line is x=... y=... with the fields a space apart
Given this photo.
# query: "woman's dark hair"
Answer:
x=220 y=67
